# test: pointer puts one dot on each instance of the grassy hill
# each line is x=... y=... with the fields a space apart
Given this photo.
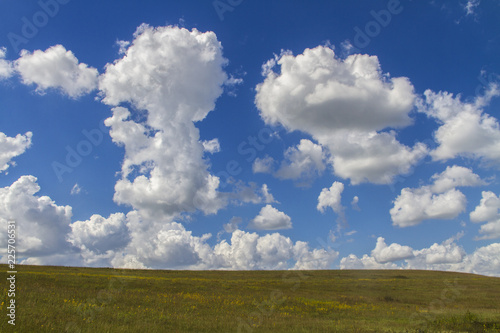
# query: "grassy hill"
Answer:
x=62 y=299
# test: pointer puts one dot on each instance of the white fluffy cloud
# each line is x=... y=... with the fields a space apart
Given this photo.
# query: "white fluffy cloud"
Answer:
x=11 y=147
x=372 y=157
x=176 y=75
x=269 y=218
x=56 y=68
x=161 y=245
x=365 y=262
x=455 y=176
x=6 y=68
x=211 y=146
x=263 y=165
x=41 y=224
x=465 y=129
x=413 y=206
x=488 y=210
x=319 y=93
x=170 y=245
x=302 y=162
x=100 y=234
x=447 y=256
x=440 y=200
x=267 y=196
x=233 y=224
x=273 y=251
x=394 y=252
x=315 y=259
x=490 y=230
x=331 y=198
x=343 y=104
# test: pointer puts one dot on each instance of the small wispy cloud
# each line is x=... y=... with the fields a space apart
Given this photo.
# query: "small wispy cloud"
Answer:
x=76 y=189
x=470 y=7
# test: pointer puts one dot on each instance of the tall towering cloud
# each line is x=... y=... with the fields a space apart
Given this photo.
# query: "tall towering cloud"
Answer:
x=171 y=78
x=347 y=106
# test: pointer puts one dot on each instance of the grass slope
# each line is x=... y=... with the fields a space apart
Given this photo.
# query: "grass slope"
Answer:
x=62 y=299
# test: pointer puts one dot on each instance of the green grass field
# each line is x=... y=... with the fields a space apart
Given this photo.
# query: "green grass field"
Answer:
x=61 y=299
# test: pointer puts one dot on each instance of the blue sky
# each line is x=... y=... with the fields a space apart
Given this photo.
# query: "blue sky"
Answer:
x=252 y=135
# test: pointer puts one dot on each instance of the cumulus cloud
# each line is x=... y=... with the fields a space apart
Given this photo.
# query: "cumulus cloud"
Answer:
x=365 y=262
x=315 y=259
x=250 y=193
x=176 y=75
x=99 y=234
x=56 y=68
x=455 y=176
x=331 y=197
x=267 y=196
x=437 y=254
x=490 y=230
x=172 y=246
x=488 y=210
x=6 y=68
x=440 y=200
x=345 y=105
x=465 y=131
x=485 y=260
x=394 y=252
x=41 y=224
x=273 y=251
x=263 y=165
x=160 y=245
x=233 y=224
x=211 y=146
x=302 y=162
x=413 y=206
x=46 y=236
x=11 y=147
x=269 y=218
x=447 y=256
